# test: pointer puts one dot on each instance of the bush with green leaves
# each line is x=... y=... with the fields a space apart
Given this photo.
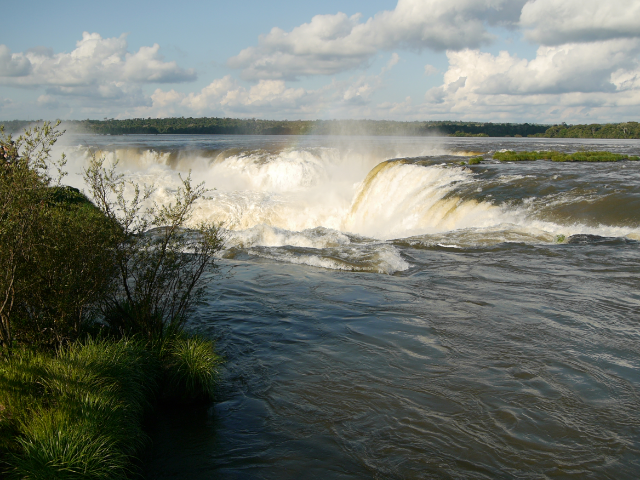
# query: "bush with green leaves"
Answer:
x=69 y=267
x=56 y=248
x=160 y=261
x=64 y=259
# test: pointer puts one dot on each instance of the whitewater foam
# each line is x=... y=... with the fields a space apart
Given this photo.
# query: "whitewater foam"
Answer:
x=326 y=206
x=373 y=258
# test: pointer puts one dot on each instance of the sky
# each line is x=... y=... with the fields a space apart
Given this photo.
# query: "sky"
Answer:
x=537 y=61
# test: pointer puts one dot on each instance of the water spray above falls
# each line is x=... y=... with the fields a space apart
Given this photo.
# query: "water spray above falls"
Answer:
x=336 y=196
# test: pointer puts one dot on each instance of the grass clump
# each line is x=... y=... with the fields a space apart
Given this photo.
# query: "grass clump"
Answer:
x=512 y=156
x=76 y=414
x=56 y=446
x=191 y=368
x=79 y=413
x=475 y=160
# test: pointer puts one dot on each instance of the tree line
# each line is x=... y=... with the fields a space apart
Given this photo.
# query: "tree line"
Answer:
x=252 y=126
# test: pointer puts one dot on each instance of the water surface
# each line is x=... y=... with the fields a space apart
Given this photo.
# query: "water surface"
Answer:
x=394 y=314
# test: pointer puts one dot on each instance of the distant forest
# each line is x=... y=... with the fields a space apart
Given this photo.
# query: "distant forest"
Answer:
x=235 y=126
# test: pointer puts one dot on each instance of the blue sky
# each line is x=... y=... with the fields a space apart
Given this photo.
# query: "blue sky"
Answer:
x=543 y=61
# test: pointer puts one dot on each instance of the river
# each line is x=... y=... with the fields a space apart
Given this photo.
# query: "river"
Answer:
x=386 y=312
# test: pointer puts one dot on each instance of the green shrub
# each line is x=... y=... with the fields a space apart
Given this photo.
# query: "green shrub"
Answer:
x=78 y=413
x=512 y=156
x=191 y=369
x=56 y=248
x=475 y=160
x=160 y=262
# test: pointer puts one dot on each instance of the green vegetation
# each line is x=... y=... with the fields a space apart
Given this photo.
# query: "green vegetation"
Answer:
x=79 y=414
x=461 y=133
x=123 y=270
x=236 y=126
x=511 y=156
x=46 y=287
x=610 y=130
x=302 y=127
x=475 y=160
x=190 y=369
x=157 y=284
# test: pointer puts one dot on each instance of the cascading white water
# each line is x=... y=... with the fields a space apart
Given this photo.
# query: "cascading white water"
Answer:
x=329 y=198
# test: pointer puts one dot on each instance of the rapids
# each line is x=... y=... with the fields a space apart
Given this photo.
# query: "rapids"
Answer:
x=345 y=198
x=392 y=313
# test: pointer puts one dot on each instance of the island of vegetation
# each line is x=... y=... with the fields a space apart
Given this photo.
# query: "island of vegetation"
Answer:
x=236 y=126
x=554 y=156
x=94 y=298
x=590 y=156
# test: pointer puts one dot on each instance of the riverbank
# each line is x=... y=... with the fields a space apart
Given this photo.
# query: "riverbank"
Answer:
x=73 y=271
x=80 y=412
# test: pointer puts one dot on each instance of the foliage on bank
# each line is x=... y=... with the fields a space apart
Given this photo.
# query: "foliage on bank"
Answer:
x=122 y=269
x=79 y=413
x=608 y=130
x=591 y=156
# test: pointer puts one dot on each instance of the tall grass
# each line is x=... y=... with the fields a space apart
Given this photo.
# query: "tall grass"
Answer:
x=191 y=368
x=79 y=414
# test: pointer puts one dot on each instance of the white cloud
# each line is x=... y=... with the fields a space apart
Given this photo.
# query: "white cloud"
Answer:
x=393 y=61
x=430 y=70
x=559 y=69
x=226 y=96
x=48 y=102
x=588 y=61
x=553 y=22
x=596 y=75
x=13 y=65
x=161 y=98
x=334 y=43
x=98 y=66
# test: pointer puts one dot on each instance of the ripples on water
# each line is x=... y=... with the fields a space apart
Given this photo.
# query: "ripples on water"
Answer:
x=418 y=321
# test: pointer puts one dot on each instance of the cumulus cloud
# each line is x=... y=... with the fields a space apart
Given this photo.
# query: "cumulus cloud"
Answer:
x=96 y=65
x=588 y=59
x=553 y=22
x=228 y=96
x=597 y=74
x=565 y=68
x=331 y=44
x=13 y=65
x=225 y=96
